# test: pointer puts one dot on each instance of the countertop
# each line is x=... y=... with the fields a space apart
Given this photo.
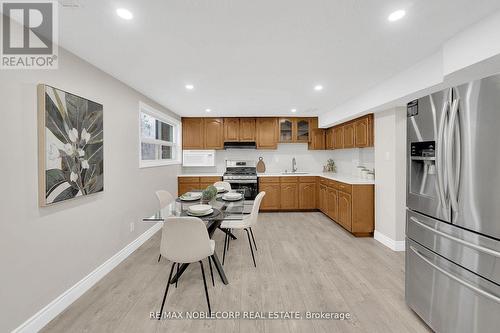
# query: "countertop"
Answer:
x=344 y=178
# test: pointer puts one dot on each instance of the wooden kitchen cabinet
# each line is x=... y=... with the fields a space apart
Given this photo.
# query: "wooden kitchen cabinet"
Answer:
x=247 y=129
x=267 y=133
x=231 y=129
x=287 y=130
x=344 y=210
x=338 y=137
x=303 y=129
x=349 y=135
x=270 y=185
x=332 y=203
x=214 y=133
x=322 y=197
x=186 y=184
x=317 y=141
x=329 y=138
x=289 y=196
x=192 y=133
x=361 y=133
x=207 y=181
x=307 y=195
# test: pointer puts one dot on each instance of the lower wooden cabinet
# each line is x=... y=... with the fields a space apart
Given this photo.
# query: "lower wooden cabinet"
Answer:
x=272 y=199
x=307 y=195
x=344 y=210
x=289 y=193
x=186 y=184
x=332 y=203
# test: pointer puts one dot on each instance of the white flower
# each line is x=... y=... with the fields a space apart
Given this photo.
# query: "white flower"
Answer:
x=53 y=152
x=73 y=135
x=73 y=177
x=85 y=164
x=85 y=135
x=68 y=148
x=81 y=153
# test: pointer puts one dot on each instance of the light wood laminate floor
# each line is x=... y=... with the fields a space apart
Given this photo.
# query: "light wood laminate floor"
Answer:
x=305 y=262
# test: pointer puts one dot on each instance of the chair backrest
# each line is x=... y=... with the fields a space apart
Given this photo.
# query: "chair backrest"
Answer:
x=252 y=219
x=164 y=198
x=185 y=240
x=226 y=185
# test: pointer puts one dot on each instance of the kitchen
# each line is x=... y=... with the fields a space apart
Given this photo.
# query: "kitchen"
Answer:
x=263 y=166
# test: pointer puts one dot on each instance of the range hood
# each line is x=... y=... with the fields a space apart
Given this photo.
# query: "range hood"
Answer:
x=240 y=145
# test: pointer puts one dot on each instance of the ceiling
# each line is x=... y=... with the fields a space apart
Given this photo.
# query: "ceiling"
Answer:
x=260 y=57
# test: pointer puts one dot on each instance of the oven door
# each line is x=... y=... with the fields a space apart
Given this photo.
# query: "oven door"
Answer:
x=249 y=186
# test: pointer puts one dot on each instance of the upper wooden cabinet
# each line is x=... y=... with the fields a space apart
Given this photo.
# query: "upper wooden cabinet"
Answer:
x=349 y=135
x=231 y=129
x=287 y=130
x=296 y=129
x=303 y=129
x=214 y=133
x=317 y=141
x=338 y=137
x=329 y=138
x=247 y=129
x=192 y=133
x=267 y=133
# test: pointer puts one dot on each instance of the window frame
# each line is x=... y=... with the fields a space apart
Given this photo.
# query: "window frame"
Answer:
x=176 y=137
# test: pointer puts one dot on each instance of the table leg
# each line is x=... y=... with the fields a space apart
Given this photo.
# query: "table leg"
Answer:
x=219 y=268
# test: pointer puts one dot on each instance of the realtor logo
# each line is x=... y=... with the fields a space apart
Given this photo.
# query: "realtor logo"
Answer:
x=29 y=35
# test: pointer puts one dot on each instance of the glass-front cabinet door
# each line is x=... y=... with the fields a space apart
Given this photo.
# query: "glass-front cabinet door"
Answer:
x=286 y=130
x=303 y=129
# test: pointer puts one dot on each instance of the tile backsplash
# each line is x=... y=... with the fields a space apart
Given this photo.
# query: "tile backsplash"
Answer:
x=281 y=159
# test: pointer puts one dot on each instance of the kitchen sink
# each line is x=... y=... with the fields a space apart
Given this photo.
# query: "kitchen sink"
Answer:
x=295 y=173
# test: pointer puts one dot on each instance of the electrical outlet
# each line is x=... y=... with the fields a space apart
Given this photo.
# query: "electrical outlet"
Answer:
x=132 y=226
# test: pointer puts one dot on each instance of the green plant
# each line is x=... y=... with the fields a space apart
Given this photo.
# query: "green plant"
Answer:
x=209 y=193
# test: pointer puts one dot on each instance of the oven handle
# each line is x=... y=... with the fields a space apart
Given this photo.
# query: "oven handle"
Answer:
x=233 y=181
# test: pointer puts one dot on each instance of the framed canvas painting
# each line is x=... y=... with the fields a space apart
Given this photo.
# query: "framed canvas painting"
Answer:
x=70 y=146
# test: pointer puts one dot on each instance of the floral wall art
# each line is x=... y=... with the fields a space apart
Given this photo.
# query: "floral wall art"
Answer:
x=70 y=146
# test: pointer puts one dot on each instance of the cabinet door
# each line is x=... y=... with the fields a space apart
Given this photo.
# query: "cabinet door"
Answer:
x=349 y=135
x=303 y=130
x=214 y=133
x=286 y=130
x=247 y=129
x=289 y=196
x=332 y=203
x=207 y=181
x=307 y=195
x=344 y=210
x=267 y=133
x=317 y=139
x=231 y=129
x=361 y=133
x=329 y=139
x=186 y=187
x=192 y=133
x=322 y=198
x=338 y=137
x=271 y=200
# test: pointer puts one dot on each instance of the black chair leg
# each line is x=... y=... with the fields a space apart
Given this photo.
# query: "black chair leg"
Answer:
x=211 y=270
x=251 y=248
x=166 y=290
x=253 y=238
x=206 y=289
x=225 y=247
x=177 y=280
x=228 y=238
x=159 y=257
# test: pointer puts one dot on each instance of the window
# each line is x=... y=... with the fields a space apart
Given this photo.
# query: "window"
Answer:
x=160 y=138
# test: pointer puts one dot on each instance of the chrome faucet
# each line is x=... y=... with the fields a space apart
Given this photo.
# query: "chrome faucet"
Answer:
x=294 y=165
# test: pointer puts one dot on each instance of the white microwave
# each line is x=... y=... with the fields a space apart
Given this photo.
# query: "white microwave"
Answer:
x=198 y=158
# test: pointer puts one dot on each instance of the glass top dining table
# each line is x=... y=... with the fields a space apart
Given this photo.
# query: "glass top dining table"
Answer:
x=223 y=209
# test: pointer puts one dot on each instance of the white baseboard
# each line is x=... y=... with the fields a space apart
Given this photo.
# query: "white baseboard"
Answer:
x=58 y=305
x=389 y=242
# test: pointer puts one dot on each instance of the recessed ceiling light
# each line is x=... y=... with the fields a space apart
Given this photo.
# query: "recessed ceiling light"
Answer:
x=189 y=86
x=318 y=87
x=208 y=110
x=293 y=110
x=397 y=15
x=124 y=13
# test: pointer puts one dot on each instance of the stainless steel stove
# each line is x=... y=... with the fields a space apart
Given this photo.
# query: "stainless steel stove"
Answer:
x=242 y=175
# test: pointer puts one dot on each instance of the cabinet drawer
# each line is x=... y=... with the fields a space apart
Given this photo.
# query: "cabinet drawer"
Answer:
x=264 y=180
x=323 y=181
x=186 y=180
x=307 y=179
x=209 y=179
x=347 y=188
x=291 y=179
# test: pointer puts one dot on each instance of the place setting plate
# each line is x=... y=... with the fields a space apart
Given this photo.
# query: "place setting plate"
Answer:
x=191 y=196
x=199 y=210
x=232 y=196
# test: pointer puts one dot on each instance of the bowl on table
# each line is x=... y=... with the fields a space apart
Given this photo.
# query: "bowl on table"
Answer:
x=232 y=196
x=191 y=196
x=220 y=189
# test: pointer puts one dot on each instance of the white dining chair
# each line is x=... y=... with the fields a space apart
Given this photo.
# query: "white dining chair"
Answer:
x=164 y=199
x=226 y=185
x=246 y=223
x=186 y=241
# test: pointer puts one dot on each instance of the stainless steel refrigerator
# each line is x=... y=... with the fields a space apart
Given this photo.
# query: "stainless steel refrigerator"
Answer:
x=453 y=208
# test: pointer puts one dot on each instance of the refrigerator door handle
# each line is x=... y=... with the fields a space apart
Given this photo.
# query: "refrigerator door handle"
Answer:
x=458 y=240
x=453 y=277
x=440 y=162
x=453 y=148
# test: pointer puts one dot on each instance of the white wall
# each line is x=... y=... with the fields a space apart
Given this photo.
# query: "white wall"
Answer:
x=390 y=181
x=280 y=159
x=45 y=251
